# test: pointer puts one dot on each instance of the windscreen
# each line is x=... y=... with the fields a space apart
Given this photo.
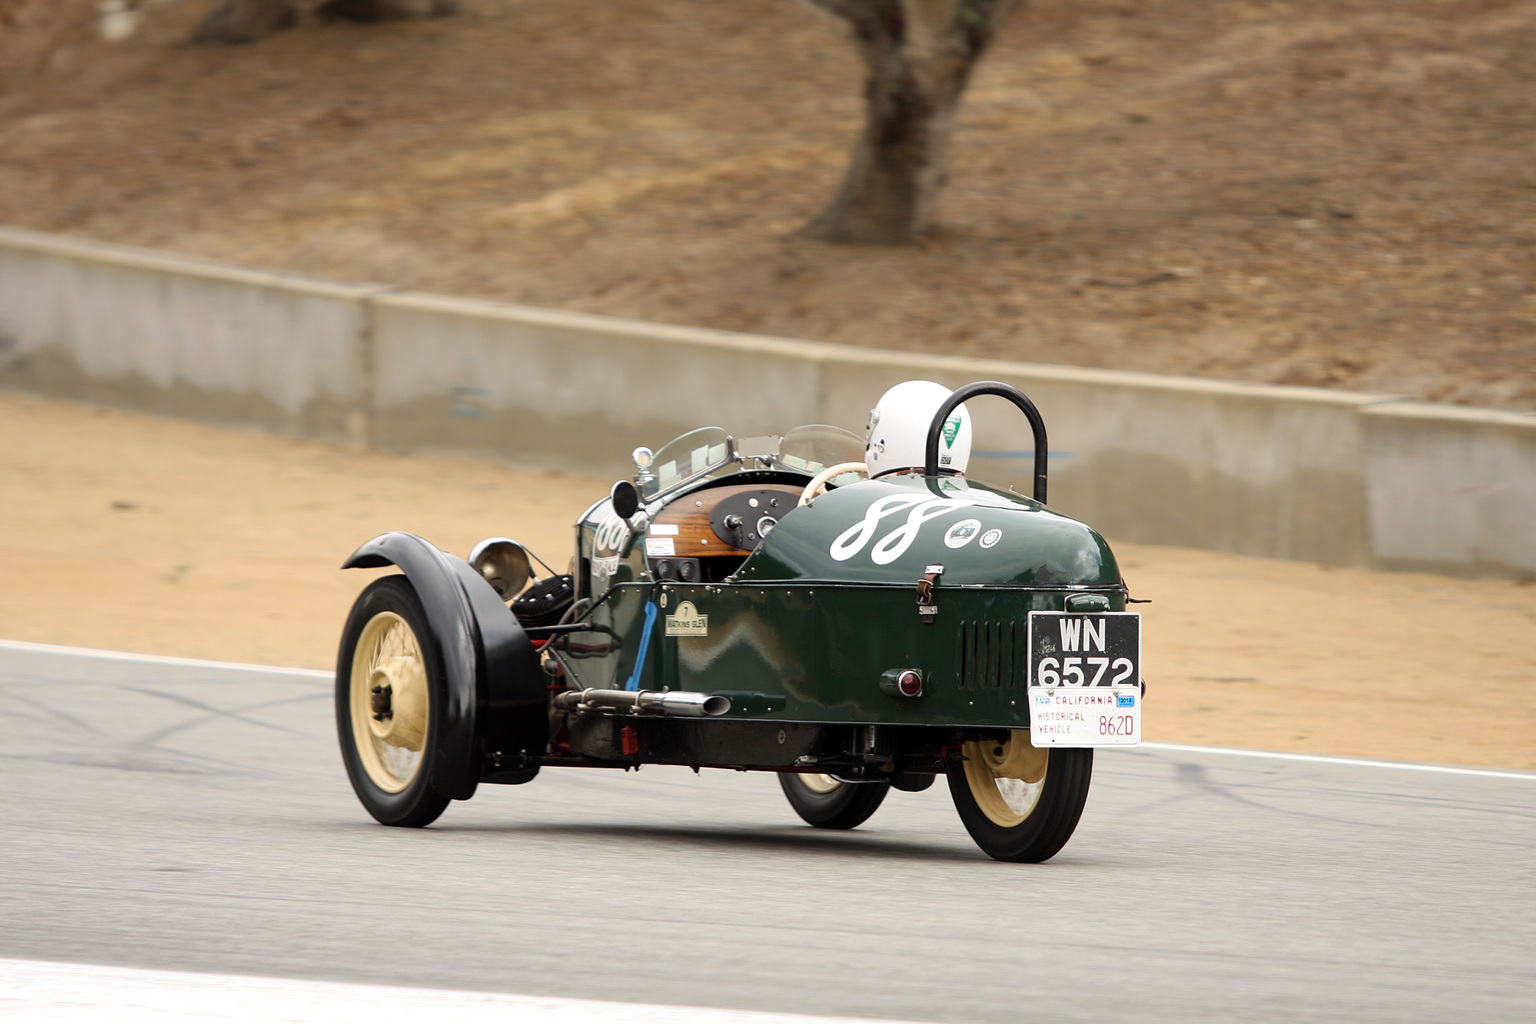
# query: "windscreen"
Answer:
x=695 y=453
x=807 y=449
x=816 y=446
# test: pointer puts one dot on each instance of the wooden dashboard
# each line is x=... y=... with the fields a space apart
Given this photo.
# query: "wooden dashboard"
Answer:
x=727 y=520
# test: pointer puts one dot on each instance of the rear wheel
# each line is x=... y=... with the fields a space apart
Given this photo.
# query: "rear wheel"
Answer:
x=827 y=803
x=389 y=686
x=1019 y=802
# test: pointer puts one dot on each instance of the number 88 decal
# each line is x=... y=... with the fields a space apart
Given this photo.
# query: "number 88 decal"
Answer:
x=1073 y=671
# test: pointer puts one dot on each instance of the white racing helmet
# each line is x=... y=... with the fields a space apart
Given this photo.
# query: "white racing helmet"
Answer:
x=898 y=430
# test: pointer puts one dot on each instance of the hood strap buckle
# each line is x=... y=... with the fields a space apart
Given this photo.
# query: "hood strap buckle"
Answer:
x=927 y=604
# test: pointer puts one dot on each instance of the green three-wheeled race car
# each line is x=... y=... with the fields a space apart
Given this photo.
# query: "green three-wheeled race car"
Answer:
x=854 y=614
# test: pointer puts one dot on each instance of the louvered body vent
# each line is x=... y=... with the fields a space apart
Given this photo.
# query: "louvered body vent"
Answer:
x=992 y=654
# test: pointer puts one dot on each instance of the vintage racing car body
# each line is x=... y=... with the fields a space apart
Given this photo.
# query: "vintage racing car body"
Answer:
x=754 y=604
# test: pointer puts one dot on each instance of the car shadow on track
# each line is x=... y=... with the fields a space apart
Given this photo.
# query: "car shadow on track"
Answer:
x=788 y=838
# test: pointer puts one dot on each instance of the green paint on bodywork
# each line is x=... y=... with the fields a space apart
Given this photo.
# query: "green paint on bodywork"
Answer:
x=1034 y=546
x=815 y=652
x=803 y=629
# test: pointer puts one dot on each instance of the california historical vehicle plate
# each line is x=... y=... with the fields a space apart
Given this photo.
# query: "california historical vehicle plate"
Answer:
x=1084 y=679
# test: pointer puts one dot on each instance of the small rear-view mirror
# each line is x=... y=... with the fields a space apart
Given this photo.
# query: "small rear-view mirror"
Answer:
x=626 y=500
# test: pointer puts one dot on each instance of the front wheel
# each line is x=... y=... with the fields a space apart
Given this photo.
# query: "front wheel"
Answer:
x=389 y=686
x=825 y=802
x=1019 y=802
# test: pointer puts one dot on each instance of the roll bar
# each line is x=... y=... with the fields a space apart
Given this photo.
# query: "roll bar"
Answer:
x=990 y=387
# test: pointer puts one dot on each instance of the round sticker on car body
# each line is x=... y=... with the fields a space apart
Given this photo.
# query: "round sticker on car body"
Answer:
x=991 y=537
x=961 y=534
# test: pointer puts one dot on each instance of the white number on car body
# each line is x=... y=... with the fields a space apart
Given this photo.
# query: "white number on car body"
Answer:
x=919 y=508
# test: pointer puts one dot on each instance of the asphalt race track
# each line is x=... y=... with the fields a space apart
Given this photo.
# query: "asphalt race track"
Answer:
x=195 y=817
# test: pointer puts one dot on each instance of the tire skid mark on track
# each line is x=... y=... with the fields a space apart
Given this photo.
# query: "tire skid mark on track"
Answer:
x=52 y=713
x=1196 y=776
x=168 y=766
x=74 y=740
x=213 y=713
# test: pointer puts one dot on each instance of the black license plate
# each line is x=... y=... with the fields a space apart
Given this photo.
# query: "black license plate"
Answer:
x=1077 y=650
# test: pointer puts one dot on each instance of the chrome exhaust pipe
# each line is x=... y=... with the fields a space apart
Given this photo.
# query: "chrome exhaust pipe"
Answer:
x=684 y=704
x=677 y=704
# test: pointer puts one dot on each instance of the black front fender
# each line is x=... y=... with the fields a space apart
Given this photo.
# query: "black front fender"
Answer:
x=494 y=695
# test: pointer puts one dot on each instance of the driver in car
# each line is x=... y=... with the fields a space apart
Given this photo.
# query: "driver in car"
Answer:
x=898 y=430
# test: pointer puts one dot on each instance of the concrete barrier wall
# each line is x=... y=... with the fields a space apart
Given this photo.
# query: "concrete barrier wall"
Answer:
x=1451 y=486
x=541 y=387
x=1335 y=477
x=176 y=336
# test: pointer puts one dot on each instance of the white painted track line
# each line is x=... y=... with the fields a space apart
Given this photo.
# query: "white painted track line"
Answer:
x=38 y=992
x=1359 y=762
x=161 y=659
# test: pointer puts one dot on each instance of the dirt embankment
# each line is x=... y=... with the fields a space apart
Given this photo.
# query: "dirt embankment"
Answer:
x=125 y=531
x=1333 y=192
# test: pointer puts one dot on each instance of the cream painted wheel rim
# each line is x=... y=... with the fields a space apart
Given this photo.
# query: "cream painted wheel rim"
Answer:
x=390 y=746
x=822 y=784
x=1006 y=779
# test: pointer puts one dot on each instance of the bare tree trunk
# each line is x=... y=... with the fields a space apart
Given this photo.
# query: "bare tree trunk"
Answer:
x=245 y=21
x=387 y=10
x=919 y=55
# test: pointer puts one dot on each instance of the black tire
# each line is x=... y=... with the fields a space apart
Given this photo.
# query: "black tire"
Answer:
x=388 y=757
x=826 y=803
x=1012 y=819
